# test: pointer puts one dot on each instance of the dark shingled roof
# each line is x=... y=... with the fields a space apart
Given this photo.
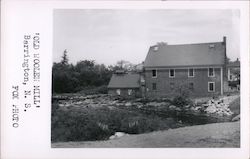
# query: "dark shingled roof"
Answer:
x=186 y=55
x=127 y=80
x=234 y=64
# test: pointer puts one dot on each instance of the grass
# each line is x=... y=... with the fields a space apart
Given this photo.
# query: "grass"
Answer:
x=80 y=123
x=89 y=124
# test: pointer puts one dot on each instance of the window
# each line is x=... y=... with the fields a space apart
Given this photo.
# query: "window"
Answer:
x=171 y=73
x=211 y=86
x=129 y=92
x=210 y=72
x=154 y=73
x=171 y=86
x=190 y=72
x=230 y=77
x=156 y=48
x=154 y=86
x=191 y=86
x=118 y=92
x=211 y=46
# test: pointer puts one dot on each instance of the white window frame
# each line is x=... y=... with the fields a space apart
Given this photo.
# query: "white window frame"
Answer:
x=155 y=73
x=170 y=73
x=208 y=72
x=118 y=92
x=189 y=72
x=130 y=92
x=209 y=87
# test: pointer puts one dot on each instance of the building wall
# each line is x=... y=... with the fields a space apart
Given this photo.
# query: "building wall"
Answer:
x=124 y=92
x=181 y=79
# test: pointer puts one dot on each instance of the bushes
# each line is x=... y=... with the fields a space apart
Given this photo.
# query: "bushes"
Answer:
x=181 y=98
x=181 y=101
x=69 y=78
x=75 y=125
x=85 y=124
x=143 y=124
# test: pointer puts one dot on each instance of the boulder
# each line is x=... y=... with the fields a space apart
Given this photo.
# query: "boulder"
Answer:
x=172 y=107
x=152 y=104
x=112 y=137
x=211 y=109
x=128 y=104
x=138 y=100
x=197 y=108
x=178 y=109
x=117 y=135
x=161 y=104
x=139 y=105
x=119 y=104
x=236 y=118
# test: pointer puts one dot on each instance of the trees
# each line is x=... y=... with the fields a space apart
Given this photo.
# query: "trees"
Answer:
x=85 y=74
x=68 y=78
x=123 y=65
x=65 y=60
x=63 y=78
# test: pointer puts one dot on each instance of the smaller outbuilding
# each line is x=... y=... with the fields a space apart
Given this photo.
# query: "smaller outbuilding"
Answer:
x=124 y=84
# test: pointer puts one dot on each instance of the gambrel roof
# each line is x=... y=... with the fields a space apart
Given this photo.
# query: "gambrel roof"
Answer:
x=126 y=80
x=203 y=54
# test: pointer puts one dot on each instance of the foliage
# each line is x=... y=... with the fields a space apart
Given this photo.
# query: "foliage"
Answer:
x=181 y=98
x=65 y=59
x=86 y=124
x=85 y=74
x=181 y=101
x=72 y=125
x=123 y=65
x=182 y=90
x=69 y=78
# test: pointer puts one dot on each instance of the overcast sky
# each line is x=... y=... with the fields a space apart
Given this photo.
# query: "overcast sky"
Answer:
x=107 y=36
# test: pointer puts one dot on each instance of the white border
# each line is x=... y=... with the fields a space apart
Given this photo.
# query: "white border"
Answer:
x=208 y=72
x=155 y=73
x=208 y=87
x=169 y=73
x=189 y=71
x=31 y=142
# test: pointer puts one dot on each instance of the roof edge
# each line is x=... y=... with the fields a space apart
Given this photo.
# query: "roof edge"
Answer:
x=189 y=44
x=185 y=66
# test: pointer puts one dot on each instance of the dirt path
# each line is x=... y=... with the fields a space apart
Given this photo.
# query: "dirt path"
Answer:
x=210 y=135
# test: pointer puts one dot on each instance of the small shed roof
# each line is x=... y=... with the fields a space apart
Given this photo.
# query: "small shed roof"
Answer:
x=126 y=80
x=234 y=64
x=201 y=54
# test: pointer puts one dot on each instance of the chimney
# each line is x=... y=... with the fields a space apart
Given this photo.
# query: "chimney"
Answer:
x=156 y=48
x=224 y=40
x=225 y=55
x=162 y=43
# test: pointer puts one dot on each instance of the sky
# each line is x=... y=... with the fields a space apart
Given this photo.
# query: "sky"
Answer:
x=108 y=36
